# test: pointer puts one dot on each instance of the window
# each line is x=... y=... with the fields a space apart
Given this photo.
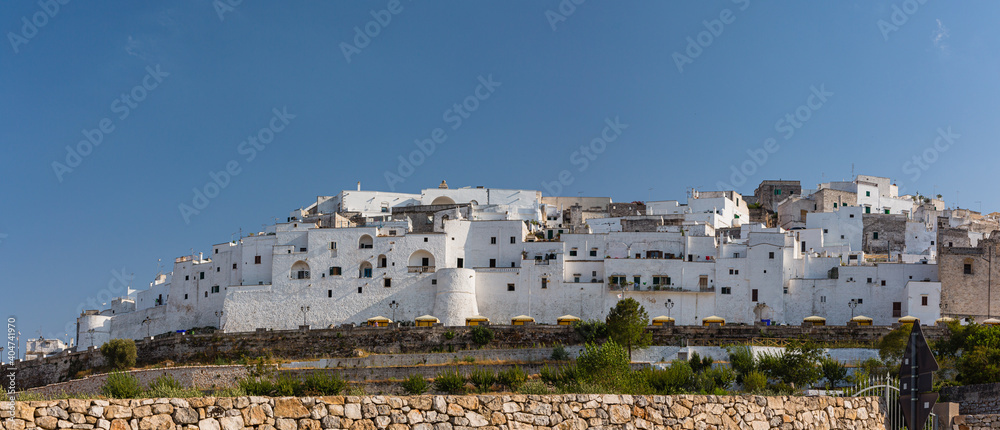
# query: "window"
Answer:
x=510 y=287
x=753 y=295
x=875 y=235
x=860 y=301
x=868 y=193
x=216 y=251
x=387 y=282
x=576 y=278
x=923 y=300
x=460 y=263
x=215 y=289
x=201 y=275
x=770 y=255
x=932 y=242
x=730 y=271
x=868 y=210
x=594 y=273
x=206 y=294
x=637 y=279
x=301 y=274
x=234 y=266
x=784 y=290
x=333 y=246
x=493 y=241
x=887 y=212
x=869 y=280
x=187 y=278
x=593 y=252
x=822 y=299
x=545 y=283
x=835 y=206
x=727 y=290
x=841 y=236
x=572 y=252
x=968 y=269
x=434 y=281
x=382 y=261
x=359 y=290
x=185 y=297
x=218 y=269
x=803 y=246
x=302 y=249
x=852 y=216
x=513 y=239
x=392 y=232
x=334 y=271
x=425 y=239
x=493 y=262
x=897 y=309
x=703 y=281
x=825 y=231
x=737 y=272
x=256 y=259
x=736 y=255
x=329 y=293
x=883 y=282
x=777 y=192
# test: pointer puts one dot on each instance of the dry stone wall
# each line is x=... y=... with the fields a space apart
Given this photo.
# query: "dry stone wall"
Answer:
x=486 y=412
x=977 y=422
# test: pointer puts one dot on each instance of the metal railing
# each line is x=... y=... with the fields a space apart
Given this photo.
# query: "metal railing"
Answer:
x=420 y=269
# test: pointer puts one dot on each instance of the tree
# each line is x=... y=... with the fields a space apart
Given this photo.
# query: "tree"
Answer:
x=120 y=354
x=627 y=323
x=891 y=346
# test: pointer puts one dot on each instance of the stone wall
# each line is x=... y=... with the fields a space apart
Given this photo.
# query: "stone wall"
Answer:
x=891 y=230
x=977 y=422
x=964 y=294
x=344 y=342
x=201 y=377
x=974 y=399
x=489 y=412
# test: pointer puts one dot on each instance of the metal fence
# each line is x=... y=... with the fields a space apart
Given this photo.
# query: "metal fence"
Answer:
x=887 y=388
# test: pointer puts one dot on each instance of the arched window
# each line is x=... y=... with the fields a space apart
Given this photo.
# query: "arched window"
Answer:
x=366 y=242
x=421 y=262
x=443 y=201
x=382 y=261
x=300 y=270
x=365 y=270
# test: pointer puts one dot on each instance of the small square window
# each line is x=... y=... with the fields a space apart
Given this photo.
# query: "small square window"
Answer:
x=218 y=269
x=869 y=280
x=826 y=231
x=206 y=293
x=185 y=297
x=359 y=290
x=822 y=299
x=513 y=239
x=201 y=275
x=510 y=287
x=187 y=278
x=387 y=282
x=593 y=252
x=434 y=281
x=493 y=241
x=216 y=251
x=329 y=293
x=234 y=266
x=215 y=289
x=572 y=253
x=770 y=255
x=727 y=290
x=594 y=273
x=923 y=300
x=860 y=301
x=425 y=239
x=256 y=259
x=883 y=282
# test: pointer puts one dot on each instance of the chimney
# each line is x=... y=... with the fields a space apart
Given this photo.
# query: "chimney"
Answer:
x=444 y=185
x=359 y=185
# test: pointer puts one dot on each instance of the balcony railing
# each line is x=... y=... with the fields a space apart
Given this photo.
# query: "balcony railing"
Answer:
x=420 y=269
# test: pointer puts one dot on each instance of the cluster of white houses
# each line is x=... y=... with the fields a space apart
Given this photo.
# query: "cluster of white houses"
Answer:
x=781 y=255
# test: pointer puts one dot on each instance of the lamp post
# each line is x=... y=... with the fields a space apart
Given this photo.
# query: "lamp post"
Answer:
x=147 y=322
x=305 y=312
x=670 y=305
x=90 y=334
x=852 y=304
x=218 y=314
x=393 y=306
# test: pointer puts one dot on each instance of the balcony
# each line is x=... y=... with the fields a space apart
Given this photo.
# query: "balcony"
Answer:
x=420 y=269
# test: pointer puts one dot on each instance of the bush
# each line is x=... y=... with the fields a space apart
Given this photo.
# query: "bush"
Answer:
x=833 y=371
x=714 y=380
x=448 y=335
x=754 y=381
x=559 y=353
x=481 y=335
x=603 y=362
x=674 y=379
x=121 y=385
x=512 y=378
x=699 y=364
x=450 y=382
x=257 y=386
x=741 y=359
x=120 y=354
x=416 y=384
x=322 y=384
x=483 y=379
x=165 y=386
x=798 y=366
x=591 y=330
x=534 y=387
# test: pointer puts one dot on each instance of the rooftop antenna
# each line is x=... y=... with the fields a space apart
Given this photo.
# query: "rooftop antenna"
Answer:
x=159 y=265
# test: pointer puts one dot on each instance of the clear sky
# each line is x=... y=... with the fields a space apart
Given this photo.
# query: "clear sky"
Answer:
x=174 y=91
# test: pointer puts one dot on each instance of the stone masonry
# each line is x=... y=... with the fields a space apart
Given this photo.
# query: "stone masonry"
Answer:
x=487 y=412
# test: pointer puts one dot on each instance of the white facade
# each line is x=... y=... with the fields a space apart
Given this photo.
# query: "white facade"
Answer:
x=483 y=258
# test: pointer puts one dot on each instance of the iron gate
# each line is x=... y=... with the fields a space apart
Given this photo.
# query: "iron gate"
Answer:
x=887 y=388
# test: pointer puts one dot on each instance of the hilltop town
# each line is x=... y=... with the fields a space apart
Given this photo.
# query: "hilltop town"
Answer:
x=455 y=255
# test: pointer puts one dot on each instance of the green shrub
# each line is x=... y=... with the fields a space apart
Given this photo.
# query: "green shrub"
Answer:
x=165 y=386
x=833 y=371
x=483 y=379
x=604 y=361
x=559 y=353
x=448 y=335
x=754 y=381
x=481 y=335
x=257 y=386
x=450 y=382
x=120 y=354
x=121 y=385
x=715 y=379
x=534 y=387
x=416 y=384
x=674 y=379
x=699 y=364
x=591 y=330
x=550 y=375
x=512 y=378
x=322 y=384
x=741 y=359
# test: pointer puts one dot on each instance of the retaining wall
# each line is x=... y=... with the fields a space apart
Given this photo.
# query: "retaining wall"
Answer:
x=488 y=412
x=974 y=399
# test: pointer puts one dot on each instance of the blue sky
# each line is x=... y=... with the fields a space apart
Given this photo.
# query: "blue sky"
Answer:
x=559 y=80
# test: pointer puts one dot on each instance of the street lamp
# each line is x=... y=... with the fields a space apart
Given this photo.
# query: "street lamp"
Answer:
x=670 y=305
x=393 y=306
x=305 y=312
x=218 y=314
x=852 y=304
x=90 y=333
x=146 y=321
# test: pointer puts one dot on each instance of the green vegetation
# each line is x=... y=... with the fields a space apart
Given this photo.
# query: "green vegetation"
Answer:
x=165 y=386
x=973 y=351
x=481 y=335
x=119 y=354
x=314 y=384
x=483 y=379
x=559 y=353
x=450 y=382
x=121 y=385
x=591 y=330
x=627 y=323
x=512 y=378
x=416 y=384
